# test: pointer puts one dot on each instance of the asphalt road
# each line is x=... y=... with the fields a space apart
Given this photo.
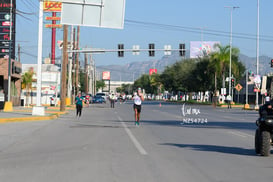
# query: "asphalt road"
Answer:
x=173 y=143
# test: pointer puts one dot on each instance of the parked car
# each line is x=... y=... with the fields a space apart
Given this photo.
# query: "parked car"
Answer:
x=102 y=95
x=98 y=99
x=54 y=100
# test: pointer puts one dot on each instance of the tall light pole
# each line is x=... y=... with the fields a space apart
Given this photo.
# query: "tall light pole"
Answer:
x=38 y=109
x=257 y=51
x=230 y=47
x=10 y=42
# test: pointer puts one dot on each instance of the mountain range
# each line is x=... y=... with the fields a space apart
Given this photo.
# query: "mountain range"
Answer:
x=132 y=71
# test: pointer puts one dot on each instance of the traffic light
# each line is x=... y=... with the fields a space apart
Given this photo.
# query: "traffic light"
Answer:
x=182 y=49
x=232 y=82
x=271 y=63
x=151 y=49
x=120 y=50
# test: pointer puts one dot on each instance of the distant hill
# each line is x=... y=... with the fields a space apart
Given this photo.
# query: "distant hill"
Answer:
x=132 y=71
x=250 y=63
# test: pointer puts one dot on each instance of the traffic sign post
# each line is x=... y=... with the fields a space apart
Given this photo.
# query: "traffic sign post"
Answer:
x=238 y=87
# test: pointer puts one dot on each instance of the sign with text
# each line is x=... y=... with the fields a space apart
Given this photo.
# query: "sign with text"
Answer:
x=7 y=26
x=106 y=75
x=52 y=6
x=152 y=71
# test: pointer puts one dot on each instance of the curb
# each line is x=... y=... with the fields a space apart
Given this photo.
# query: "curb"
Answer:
x=54 y=115
x=28 y=119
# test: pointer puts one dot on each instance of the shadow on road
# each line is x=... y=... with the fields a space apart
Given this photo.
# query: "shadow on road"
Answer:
x=159 y=122
x=223 y=125
x=215 y=148
x=209 y=125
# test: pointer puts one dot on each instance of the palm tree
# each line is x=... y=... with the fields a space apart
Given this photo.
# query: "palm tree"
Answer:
x=220 y=61
x=27 y=79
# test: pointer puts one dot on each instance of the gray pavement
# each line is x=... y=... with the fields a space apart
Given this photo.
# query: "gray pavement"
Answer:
x=104 y=145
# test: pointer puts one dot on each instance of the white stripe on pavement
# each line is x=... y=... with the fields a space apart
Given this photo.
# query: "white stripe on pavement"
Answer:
x=240 y=134
x=133 y=138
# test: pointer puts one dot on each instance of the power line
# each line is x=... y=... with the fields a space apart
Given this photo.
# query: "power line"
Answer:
x=197 y=30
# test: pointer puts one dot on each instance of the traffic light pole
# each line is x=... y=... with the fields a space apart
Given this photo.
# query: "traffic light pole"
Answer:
x=99 y=51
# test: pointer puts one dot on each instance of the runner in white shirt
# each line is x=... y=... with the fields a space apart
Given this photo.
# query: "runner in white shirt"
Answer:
x=138 y=98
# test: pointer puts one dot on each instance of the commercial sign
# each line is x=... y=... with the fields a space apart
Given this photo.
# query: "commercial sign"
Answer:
x=52 y=6
x=5 y=5
x=53 y=18
x=152 y=71
x=202 y=48
x=53 y=26
x=106 y=75
x=7 y=25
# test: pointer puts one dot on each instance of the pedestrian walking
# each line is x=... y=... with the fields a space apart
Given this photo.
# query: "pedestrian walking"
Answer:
x=229 y=101
x=112 y=100
x=138 y=98
x=78 y=101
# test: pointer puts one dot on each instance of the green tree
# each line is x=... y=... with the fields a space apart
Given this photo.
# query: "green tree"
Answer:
x=27 y=79
x=82 y=81
x=155 y=83
x=179 y=77
x=203 y=76
x=125 y=88
x=100 y=84
x=144 y=83
x=220 y=61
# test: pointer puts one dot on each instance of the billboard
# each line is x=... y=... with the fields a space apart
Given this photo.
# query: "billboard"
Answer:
x=52 y=6
x=95 y=13
x=202 y=48
x=152 y=71
x=106 y=75
x=6 y=25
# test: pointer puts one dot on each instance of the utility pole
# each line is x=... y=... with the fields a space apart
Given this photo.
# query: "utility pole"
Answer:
x=95 y=78
x=77 y=61
x=64 y=69
x=86 y=73
x=73 y=65
x=19 y=53
x=92 y=76
x=257 y=51
x=69 y=88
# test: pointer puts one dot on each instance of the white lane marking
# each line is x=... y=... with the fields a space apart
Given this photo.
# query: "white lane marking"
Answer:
x=139 y=147
x=240 y=134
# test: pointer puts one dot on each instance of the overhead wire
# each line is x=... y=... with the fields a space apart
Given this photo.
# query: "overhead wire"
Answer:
x=197 y=30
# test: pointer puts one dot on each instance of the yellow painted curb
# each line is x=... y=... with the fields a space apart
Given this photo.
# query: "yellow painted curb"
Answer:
x=246 y=106
x=27 y=119
x=8 y=107
x=33 y=118
x=234 y=106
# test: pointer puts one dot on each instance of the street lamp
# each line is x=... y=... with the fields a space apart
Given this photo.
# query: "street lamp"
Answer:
x=257 y=58
x=230 y=44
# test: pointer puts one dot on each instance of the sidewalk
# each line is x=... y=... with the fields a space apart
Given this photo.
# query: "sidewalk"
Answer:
x=24 y=114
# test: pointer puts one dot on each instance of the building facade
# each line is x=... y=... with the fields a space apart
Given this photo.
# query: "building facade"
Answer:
x=15 y=70
x=50 y=83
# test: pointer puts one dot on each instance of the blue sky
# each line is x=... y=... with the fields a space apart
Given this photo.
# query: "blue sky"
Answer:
x=183 y=21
